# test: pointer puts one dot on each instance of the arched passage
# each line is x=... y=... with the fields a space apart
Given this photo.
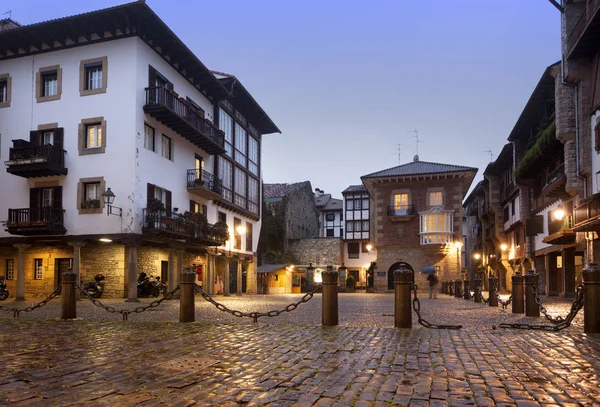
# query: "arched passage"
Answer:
x=395 y=267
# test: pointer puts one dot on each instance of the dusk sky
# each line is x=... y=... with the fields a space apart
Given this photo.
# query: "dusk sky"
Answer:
x=346 y=81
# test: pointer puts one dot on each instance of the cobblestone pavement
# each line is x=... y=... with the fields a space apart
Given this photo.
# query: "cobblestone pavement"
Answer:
x=221 y=360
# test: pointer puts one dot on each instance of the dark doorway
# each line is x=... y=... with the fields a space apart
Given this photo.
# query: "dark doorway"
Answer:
x=395 y=267
x=244 y=277
x=354 y=274
x=164 y=271
x=61 y=266
x=233 y=277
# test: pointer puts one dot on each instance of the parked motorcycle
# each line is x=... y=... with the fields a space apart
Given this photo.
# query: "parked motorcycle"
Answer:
x=147 y=286
x=3 y=290
x=161 y=285
x=95 y=288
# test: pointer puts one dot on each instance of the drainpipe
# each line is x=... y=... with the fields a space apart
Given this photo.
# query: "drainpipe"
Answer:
x=576 y=87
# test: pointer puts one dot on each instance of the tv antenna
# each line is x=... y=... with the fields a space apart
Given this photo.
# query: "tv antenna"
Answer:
x=416 y=137
x=399 y=153
x=9 y=12
x=491 y=154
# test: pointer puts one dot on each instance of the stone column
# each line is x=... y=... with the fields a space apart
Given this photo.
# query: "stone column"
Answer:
x=226 y=277
x=77 y=259
x=209 y=280
x=131 y=273
x=239 y=278
x=180 y=266
x=251 y=283
x=20 y=295
x=171 y=283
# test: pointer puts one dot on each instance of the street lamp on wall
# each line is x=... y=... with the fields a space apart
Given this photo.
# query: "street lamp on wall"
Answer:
x=109 y=197
x=558 y=213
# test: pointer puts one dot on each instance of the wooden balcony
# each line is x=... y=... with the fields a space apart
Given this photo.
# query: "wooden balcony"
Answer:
x=178 y=115
x=561 y=232
x=587 y=215
x=29 y=161
x=402 y=213
x=582 y=41
x=36 y=221
x=204 y=184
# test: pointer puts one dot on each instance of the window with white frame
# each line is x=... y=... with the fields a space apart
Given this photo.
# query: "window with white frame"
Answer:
x=240 y=145
x=149 y=137
x=436 y=198
x=10 y=269
x=436 y=226
x=38 y=269
x=47 y=197
x=240 y=188
x=226 y=174
x=93 y=76
x=92 y=191
x=160 y=194
x=253 y=155
x=226 y=125
x=166 y=150
x=3 y=90
x=93 y=135
x=47 y=137
x=49 y=83
x=253 y=195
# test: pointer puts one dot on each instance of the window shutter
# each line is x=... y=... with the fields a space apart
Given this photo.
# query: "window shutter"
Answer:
x=205 y=210
x=34 y=138
x=34 y=203
x=150 y=192
x=597 y=137
x=59 y=138
x=57 y=198
x=151 y=76
x=168 y=202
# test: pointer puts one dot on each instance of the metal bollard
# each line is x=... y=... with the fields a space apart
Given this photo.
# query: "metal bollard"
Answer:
x=532 y=309
x=67 y=295
x=493 y=298
x=187 y=312
x=457 y=286
x=518 y=292
x=477 y=283
x=466 y=290
x=591 y=299
x=329 y=314
x=402 y=303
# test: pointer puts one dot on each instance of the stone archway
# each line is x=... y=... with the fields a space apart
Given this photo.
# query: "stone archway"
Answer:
x=395 y=267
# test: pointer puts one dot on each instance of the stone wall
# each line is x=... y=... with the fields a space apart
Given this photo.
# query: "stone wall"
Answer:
x=108 y=259
x=301 y=216
x=317 y=251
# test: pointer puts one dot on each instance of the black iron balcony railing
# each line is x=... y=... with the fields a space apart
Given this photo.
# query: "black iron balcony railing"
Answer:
x=556 y=226
x=587 y=211
x=179 y=115
x=199 y=178
x=30 y=221
x=401 y=210
x=32 y=161
x=163 y=222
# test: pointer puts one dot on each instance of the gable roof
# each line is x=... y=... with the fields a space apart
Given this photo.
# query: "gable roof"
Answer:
x=419 y=168
x=281 y=190
x=355 y=188
x=327 y=203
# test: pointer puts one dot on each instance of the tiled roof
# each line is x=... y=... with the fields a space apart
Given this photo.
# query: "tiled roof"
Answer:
x=355 y=188
x=419 y=168
x=281 y=190
x=334 y=204
x=321 y=201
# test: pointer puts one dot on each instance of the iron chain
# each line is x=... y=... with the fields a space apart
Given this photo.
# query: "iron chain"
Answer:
x=485 y=300
x=506 y=303
x=17 y=311
x=256 y=315
x=543 y=310
x=426 y=324
x=124 y=312
x=558 y=324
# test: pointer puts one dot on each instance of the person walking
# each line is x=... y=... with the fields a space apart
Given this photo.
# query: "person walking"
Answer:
x=433 y=282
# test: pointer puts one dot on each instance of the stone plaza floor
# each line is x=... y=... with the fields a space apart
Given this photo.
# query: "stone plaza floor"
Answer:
x=291 y=360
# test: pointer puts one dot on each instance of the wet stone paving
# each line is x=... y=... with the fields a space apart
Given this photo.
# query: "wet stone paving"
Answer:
x=291 y=360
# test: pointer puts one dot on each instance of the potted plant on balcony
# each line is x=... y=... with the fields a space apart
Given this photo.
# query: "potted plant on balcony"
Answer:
x=221 y=232
x=196 y=224
x=154 y=211
x=90 y=204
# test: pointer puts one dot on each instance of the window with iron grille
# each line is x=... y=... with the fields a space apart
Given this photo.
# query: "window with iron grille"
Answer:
x=10 y=269
x=38 y=269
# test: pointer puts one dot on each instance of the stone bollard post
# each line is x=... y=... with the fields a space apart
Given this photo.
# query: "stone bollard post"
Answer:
x=457 y=285
x=532 y=309
x=466 y=290
x=591 y=299
x=518 y=292
x=187 y=284
x=450 y=287
x=68 y=298
x=402 y=302
x=493 y=298
x=477 y=283
x=329 y=313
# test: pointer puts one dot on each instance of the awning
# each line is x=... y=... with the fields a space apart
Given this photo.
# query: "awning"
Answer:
x=269 y=268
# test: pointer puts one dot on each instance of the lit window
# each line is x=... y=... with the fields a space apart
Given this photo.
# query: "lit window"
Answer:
x=436 y=226
x=435 y=198
x=38 y=269
x=10 y=269
x=93 y=136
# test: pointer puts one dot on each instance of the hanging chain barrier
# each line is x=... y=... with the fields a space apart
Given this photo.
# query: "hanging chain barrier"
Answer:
x=417 y=308
x=256 y=315
x=506 y=303
x=17 y=311
x=485 y=300
x=562 y=323
x=543 y=310
x=125 y=312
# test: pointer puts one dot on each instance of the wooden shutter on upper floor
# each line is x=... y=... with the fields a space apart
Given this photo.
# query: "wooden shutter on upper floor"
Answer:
x=205 y=210
x=168 y=204
x=59 y=138
x=150 y=193
x=192 y=206
x=34 y=137
x=57 y=198
x=34 y=204
x=151 y=76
